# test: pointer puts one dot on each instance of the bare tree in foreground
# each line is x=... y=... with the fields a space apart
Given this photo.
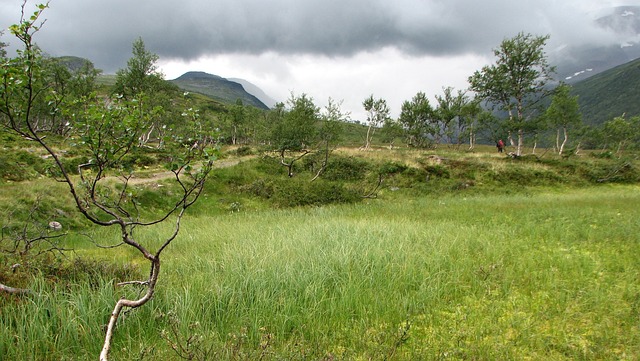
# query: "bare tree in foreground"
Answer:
x=108 y=130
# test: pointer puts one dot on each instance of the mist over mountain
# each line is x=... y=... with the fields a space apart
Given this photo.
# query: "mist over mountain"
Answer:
x=622 y=44
x=255 y=91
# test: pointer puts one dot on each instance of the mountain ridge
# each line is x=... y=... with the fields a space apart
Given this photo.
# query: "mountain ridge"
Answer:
x=217 y=87
x=255 y=91
x=610 y=93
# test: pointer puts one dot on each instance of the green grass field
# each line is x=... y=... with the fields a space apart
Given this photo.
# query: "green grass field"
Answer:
x=550 y=275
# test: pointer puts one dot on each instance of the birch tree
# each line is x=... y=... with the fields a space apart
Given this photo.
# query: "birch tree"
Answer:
x=563 y=114
x=517 y=80
x=107 y=131
x=329 y=131
x=417 y=119
x=294 y=130
x=377 y=113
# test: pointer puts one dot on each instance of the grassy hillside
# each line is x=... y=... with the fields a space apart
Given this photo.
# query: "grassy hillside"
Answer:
x=217 y=88
x=610 y=94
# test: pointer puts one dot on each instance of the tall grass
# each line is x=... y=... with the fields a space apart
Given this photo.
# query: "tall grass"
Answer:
x=554 y=275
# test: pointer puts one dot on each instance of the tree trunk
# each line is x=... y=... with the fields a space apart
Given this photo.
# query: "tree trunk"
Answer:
x=151 y=287
x=234 y=136
x=367 y=144
x=520 y=142
x=14 y=291
x=564 y=142
x=472 y=140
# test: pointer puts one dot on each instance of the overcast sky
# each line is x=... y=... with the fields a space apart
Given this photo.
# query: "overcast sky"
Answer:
x=343 y=49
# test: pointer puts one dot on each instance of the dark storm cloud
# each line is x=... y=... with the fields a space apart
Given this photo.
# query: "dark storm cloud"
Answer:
x=104 y=30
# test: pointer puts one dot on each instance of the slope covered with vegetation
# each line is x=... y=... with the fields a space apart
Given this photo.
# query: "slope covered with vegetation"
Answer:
x=610 y=94
x=217 y=88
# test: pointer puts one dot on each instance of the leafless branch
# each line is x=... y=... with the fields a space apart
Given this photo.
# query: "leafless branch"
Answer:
x=374 y=191
x=139 y=283
x=15 y=291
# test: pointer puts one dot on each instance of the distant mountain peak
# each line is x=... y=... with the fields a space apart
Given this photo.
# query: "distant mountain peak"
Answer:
x=218 y=88
x=198 y=75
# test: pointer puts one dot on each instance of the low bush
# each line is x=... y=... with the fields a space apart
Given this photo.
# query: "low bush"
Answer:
x=244 y=151
x=260 y=187
x=621 y=171
x=296 y=192
x=437 y=171
x=346 y=169
x=389 y=168
x=18 y=271
x=20 y=165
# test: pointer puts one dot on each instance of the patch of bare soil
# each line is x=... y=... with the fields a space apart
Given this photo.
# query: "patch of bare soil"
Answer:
x=156 y=177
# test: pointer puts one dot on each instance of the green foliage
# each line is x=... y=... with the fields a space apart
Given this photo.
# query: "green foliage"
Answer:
x=621 y=171
x=141 y=74
x=296 y=193
x=452 y=116
x=622 y=133
x=377 y=111
x=516 y=81
x=530 y=176
x=377 y=114
x=564 y=116
x=64 y=272
x=296 y=128
x=390 y=168
x=417 y=119
x=244 y=151
x=564 y=110
x=19 y=165
x=346 y=169
x=437 y=171
x=256 y=178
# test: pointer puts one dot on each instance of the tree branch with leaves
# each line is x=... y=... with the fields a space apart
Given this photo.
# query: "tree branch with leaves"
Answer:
x=517 y=81
x=107 y=130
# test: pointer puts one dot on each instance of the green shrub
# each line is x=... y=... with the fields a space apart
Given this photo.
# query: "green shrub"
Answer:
x=260 y=187
x=437 y=171
x=71 y=164
x=244 y=151
x=9 y=140
x=296 y=192
x=20 y=165
x=389 y=168
x=346 y=169
x=614 y=172
x=59 y=269
x=524 y=176
x=268 y=164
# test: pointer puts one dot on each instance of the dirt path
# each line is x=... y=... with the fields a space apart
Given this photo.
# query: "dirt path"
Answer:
x=155 y=177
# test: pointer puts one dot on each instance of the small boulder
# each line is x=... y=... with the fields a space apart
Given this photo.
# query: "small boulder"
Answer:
x=56 y=226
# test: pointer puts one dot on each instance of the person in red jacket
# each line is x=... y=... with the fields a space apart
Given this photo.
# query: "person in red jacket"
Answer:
x=500 y=146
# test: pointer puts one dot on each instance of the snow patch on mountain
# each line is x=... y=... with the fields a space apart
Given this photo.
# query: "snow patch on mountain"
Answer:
x=578 y=73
